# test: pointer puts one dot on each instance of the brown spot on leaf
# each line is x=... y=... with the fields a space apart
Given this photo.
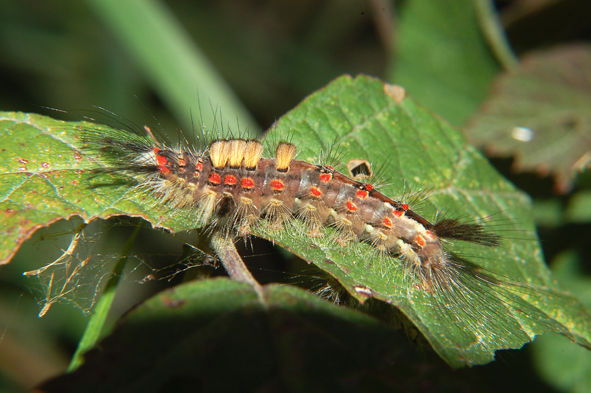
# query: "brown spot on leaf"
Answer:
x=172 y=303
x=396 y=92
x=363 y=290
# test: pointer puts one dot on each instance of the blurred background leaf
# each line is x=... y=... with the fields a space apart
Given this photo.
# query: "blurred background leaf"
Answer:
x=441 y=57
x=540 y=113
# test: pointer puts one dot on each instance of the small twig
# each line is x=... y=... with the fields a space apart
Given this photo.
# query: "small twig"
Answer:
x=233 y=263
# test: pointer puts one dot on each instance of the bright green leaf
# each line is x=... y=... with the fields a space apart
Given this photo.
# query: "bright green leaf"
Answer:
x=566 y=367
x=45 y=177
x=364 y=118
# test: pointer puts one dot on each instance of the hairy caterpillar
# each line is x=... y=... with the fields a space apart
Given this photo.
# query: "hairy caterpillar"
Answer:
x=229 y=186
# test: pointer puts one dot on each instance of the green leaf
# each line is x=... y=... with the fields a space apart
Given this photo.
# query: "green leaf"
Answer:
x=218 y=335
x=441 y=57
x=45 y=177
x=369 y=120
x=578 y=209
x=363 y=117
x=566 y=367
x=548 y=212
x=541 y=114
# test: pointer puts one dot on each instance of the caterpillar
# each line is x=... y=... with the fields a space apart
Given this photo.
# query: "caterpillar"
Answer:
x=229 y=187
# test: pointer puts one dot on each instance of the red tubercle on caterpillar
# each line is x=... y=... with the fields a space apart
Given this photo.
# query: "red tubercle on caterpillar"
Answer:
x=315 y=192
x=214 y=179
x=182 y=163
x=387 y=222
x=420 y=241
x=351 y=206
x=198 y=168
x=247 y=183
x=277 y=185
x=362 y=194
x=325 y=177
x=161 y=160
x=398 y=213
x=230 y=180
x=405 y=207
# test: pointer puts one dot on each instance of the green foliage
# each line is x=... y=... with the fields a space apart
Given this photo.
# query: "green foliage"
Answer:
x=442 y=58
x=369 y=124
x=173 y=63
x=561 y=364
x=288 y=341
x=540 y=113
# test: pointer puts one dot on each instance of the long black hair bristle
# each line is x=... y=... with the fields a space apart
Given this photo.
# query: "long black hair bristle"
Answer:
x=449 y=228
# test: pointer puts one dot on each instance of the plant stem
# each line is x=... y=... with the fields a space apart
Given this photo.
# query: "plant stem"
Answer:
x=233 y=263
x=493 y=32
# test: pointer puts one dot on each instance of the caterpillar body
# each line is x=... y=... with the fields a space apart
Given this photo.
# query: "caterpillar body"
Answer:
x=230 y=187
